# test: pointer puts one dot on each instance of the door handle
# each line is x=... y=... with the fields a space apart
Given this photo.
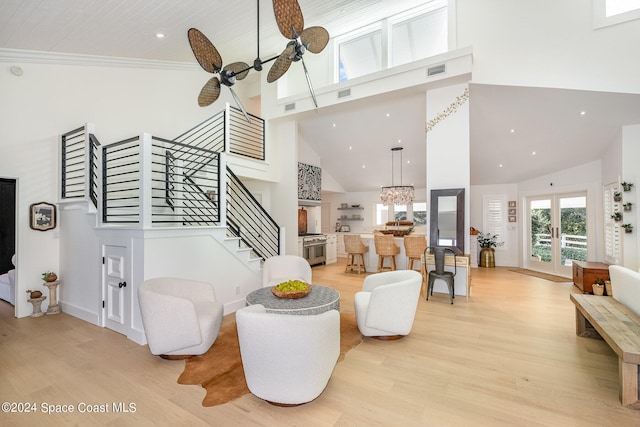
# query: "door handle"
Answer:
x=122 y=285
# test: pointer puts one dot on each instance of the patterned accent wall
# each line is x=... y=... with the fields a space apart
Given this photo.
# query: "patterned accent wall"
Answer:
x=309 y=182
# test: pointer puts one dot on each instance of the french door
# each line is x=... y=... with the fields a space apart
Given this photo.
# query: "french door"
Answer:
x=557 y=232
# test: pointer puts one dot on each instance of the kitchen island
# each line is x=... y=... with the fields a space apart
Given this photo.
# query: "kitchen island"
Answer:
x=462 y=279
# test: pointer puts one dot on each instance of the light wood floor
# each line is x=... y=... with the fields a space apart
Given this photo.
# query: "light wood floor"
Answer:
x=509 y=357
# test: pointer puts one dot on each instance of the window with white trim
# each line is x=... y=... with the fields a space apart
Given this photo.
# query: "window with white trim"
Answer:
x=612 y=235
x=494 y=209
x=416 y=212
x=405 y=37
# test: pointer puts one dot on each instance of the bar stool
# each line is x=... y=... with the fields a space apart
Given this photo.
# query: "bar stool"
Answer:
x=386 y=247
x=414 y=247
x=355 y=250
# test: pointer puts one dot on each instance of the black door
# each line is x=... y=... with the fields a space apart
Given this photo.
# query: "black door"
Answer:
x=7 y=223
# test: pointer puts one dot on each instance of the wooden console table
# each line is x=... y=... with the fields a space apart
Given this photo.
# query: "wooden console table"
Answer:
x=463 y=261
x=585 y=273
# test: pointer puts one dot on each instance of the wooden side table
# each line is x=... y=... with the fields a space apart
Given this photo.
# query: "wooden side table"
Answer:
x=585 y=273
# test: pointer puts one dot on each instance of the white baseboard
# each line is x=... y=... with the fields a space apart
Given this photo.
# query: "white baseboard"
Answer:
x=80 y=313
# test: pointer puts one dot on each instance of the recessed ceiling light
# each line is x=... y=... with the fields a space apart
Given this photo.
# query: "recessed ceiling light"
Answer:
x=583 y=113
x=350 y=148
x=533 y=153
x=334 y=125
x=388 y=114
x=408 y=161
x=160 y=35
x=363 y=166
x=500 y=165
x=513 y=131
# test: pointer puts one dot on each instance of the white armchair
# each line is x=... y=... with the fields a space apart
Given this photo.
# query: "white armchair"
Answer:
x=281 y=268
x=386 y=306
x=8 y=284
x=181 y=318
x=287 y=359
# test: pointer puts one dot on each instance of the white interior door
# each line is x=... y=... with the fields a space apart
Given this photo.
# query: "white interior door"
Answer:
x=557 y=232
x=116 y=290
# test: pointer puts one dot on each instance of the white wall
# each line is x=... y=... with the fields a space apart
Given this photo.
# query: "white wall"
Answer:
x=631 y=173
x=510 y=253
x=448 y=152
x=122 y=100
x=366 y=199
x=548 y=43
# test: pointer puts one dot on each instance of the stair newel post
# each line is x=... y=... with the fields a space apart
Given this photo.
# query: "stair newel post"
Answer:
x=89 y=128
x=146 y=170
x=222 y=188
x=227 y=127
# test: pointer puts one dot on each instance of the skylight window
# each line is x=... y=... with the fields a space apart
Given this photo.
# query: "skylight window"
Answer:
x=612 y=12
x=616 y=7
x=406 y=37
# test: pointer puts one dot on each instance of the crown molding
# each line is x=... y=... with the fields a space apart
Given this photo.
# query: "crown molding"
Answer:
x=57 y=58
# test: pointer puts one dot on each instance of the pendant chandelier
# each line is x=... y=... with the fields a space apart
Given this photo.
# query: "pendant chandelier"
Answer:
x=396 y=194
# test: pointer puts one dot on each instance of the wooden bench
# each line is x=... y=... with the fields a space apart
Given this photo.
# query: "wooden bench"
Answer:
x=606 y=318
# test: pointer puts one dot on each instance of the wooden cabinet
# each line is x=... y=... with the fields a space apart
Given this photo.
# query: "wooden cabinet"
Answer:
x=340 y=249
x=585 y=273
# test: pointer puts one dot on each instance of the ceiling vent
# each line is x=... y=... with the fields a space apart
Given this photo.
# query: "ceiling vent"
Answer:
x=344 y=93
x=290 y=107
x=438 y=69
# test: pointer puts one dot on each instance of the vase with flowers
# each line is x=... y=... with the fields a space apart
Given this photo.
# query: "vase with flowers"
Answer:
x=488 y=242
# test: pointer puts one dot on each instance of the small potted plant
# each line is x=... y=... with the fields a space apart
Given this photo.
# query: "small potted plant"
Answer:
x=627 y=206
x=34 y=294
x=617 y=216
x=487 y=242
x=49 y=276
x=628 y=228
x=626 y=185
x=607 y=287
x=617 y=196
x=598 y=287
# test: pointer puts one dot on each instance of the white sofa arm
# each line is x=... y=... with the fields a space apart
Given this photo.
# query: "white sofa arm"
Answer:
x=625 y=284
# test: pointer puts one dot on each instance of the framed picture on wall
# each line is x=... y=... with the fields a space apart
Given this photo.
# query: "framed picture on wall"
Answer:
x=512 y=204
x=512 y=218
x=42 y=216
x=512 y=211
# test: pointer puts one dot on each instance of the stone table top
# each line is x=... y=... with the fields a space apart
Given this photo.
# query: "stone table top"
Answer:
x=319 y=300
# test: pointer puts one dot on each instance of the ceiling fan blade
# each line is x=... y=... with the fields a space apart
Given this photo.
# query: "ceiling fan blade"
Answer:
x=306 y=74
x=204 y=51
x=233 y=93
x=281 y=65
x=236 y=67
x=315 y=39
x=209 y=92
x=289 y=17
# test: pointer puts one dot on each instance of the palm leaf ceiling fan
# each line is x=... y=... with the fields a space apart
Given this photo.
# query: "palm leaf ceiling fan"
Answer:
x=291 y=25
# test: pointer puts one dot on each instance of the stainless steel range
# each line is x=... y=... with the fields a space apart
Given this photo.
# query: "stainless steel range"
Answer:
x=314 y=248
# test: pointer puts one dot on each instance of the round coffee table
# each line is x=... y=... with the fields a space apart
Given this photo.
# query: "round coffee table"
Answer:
x=320 y=299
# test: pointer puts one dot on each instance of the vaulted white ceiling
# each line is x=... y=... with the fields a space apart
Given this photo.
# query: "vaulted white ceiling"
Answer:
x=546 y=121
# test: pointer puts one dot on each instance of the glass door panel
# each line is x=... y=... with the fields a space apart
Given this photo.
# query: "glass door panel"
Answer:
x=557 y=232
x=540 y=251
x=572 y=234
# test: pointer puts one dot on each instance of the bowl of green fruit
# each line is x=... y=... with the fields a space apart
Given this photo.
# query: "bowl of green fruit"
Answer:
x=291 y=289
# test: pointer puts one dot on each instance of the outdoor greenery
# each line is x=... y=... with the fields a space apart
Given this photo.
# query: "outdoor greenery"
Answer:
x=573 y=222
